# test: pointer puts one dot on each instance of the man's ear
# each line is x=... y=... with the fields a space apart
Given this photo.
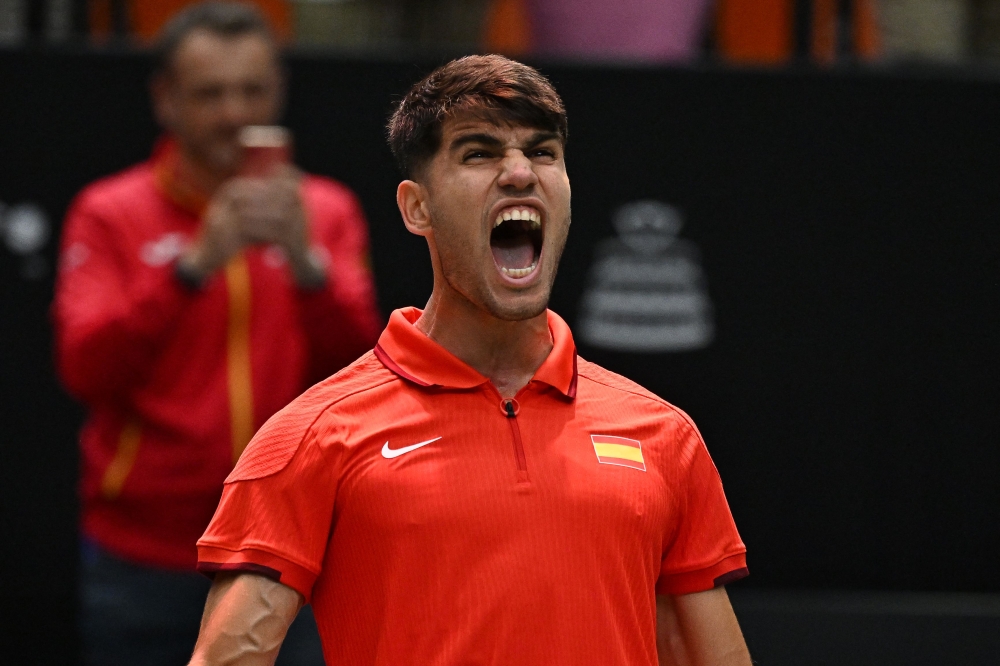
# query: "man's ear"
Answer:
x=411 y=197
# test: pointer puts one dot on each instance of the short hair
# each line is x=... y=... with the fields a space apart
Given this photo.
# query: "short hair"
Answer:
x=227 y=19
x=491 y=87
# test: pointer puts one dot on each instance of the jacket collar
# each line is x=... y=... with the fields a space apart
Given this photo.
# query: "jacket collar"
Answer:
x=409 y=353
x=171 y=180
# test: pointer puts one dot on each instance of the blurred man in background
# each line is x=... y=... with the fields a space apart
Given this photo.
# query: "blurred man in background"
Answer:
x=193 y=302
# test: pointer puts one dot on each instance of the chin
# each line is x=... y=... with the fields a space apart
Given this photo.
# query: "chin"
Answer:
x=222 y=157
x=226 y=161
x=518 y=309
x=497 y=297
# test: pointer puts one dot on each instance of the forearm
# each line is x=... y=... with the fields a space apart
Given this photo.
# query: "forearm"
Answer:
x=699 y=629
x=112 y=310
x=341 y=321
x=245 y=621
x=677 y=655
x=106 y=339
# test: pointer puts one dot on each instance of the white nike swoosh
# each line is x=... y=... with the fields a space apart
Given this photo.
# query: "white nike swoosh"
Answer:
x=395 y=453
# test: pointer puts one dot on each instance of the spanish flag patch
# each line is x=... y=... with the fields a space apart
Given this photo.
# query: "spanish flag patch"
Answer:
x=618 y=451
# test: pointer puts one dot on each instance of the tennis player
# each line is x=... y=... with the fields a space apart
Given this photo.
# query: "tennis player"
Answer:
x=471 y=491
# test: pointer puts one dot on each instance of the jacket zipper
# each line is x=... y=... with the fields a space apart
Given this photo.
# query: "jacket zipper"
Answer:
x=515 y=431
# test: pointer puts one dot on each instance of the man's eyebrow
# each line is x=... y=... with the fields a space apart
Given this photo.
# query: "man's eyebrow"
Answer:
x=493 y=142
x=484 y=139
x=541 y=137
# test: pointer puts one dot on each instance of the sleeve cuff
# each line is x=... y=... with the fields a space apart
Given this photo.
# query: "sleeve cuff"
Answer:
x=213 y=560
x=721 y=573
x=187 y=278
x=318 y=260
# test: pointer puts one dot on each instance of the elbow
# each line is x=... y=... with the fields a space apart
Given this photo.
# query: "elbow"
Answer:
x=84 y=372
x=80 y=383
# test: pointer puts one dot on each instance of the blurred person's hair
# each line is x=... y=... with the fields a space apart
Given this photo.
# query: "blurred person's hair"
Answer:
x=225 y=19
x=490 y=87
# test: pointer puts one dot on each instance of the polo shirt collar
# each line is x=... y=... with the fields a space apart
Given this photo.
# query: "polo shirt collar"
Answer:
x=408 y=352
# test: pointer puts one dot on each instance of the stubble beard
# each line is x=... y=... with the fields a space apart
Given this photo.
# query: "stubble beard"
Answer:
x=216 y=151
x=473 y=286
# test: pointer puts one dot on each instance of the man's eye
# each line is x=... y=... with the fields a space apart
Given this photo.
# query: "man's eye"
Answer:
x=542 y=152
x=476 y=154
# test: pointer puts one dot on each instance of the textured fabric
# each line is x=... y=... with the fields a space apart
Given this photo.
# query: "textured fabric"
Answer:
x=154 y=360
x=430 y=521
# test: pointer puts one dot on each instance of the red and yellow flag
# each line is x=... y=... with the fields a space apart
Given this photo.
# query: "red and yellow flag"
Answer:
x=618 y=451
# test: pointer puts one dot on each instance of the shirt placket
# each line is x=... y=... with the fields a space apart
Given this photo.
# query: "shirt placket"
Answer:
x=510 y=409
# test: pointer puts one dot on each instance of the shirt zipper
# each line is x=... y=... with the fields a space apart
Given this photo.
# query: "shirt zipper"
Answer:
x=515 y=431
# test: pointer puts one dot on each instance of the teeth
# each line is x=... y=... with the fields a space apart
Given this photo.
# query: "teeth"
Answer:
x=519 y=272
x=527 y=215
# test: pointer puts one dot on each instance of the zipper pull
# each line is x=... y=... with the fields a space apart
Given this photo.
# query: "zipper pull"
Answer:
x=510 y=408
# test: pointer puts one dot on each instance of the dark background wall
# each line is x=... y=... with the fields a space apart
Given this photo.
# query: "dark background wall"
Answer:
x=848 y=230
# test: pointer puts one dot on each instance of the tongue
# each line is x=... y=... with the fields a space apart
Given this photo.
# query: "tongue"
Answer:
x=513 y=252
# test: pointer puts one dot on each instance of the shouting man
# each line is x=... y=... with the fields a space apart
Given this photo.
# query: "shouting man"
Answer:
x=471 y=491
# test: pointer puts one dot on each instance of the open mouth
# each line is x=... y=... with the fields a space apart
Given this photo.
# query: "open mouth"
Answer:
x=516 y=240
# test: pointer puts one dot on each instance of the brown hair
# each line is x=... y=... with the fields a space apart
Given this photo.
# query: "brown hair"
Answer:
x=226 y=19
x=491 y=87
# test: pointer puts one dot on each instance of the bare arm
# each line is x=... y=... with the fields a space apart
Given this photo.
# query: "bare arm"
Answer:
x=246 y=618
x=699 y=629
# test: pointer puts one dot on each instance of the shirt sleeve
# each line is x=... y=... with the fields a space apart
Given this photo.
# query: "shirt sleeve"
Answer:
x=276 y=512
x=112 y=315
x=705 y=550
x=341 y=319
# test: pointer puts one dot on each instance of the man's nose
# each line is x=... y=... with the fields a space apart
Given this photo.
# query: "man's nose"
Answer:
x=236 y=109
x=517 y=171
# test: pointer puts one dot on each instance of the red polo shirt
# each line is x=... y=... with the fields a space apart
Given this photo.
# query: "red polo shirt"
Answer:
x=430 y=521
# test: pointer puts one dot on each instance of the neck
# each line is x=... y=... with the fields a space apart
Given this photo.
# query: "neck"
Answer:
x=506 y=352
x=198 y=174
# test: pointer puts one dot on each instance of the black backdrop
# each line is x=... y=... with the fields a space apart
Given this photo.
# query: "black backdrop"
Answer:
x=849 y=235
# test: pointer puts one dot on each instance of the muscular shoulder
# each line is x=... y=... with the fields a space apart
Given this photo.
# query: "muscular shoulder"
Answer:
x=602 y=384
x=276 y=442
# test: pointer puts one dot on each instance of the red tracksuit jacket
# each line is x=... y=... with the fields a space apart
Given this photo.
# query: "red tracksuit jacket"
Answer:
x=177 y=381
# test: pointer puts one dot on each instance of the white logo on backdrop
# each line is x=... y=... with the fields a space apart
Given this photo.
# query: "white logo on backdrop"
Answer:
x=26 y=231
x=646 y=289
